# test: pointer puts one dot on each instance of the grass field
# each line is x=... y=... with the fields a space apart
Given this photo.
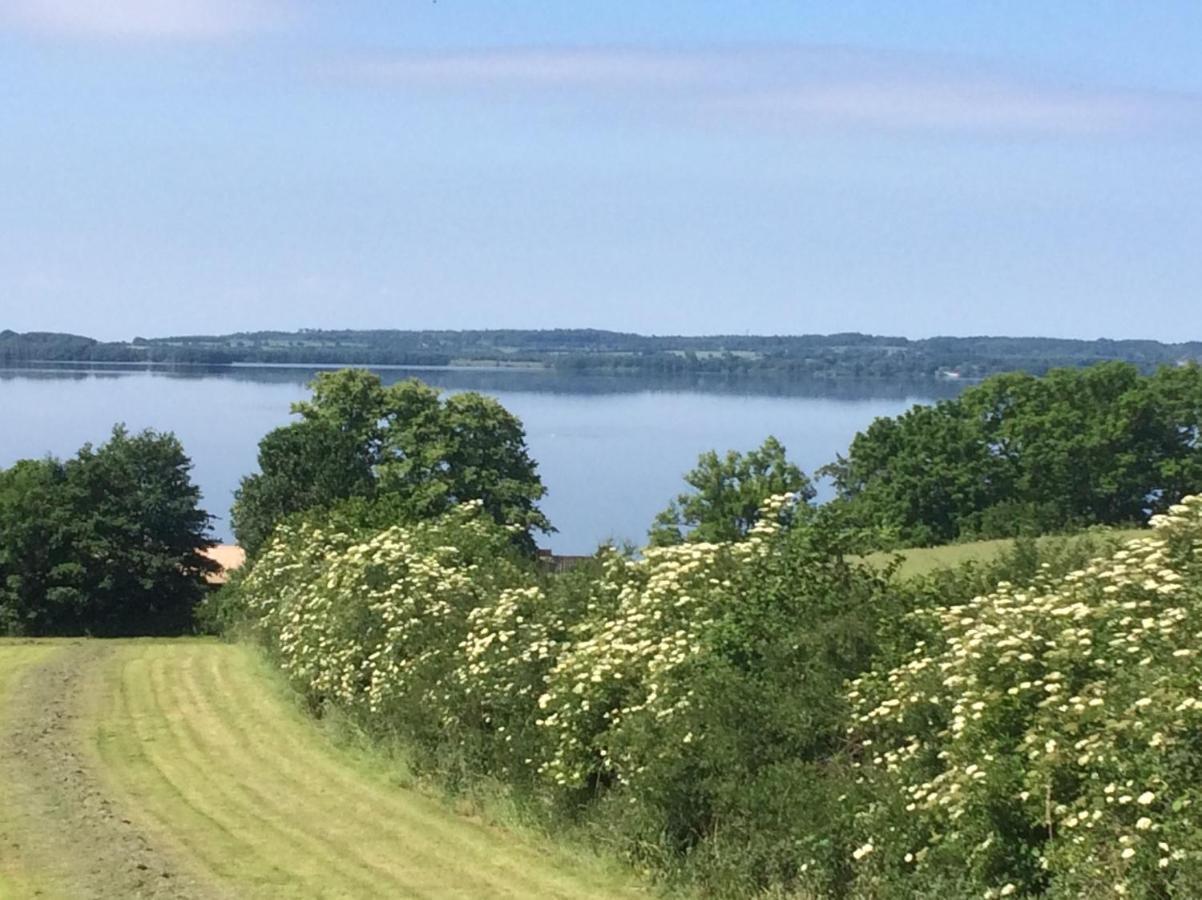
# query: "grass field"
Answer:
x=922 y=560
x=182 y=769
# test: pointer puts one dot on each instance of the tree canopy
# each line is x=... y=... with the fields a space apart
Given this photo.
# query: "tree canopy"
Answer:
x=1024 y=455
x=402 y=445
x=109 y=542
x=727 y=493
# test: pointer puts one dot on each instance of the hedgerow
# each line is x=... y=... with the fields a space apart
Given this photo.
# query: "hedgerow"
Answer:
x=372 y=623
x=770 y=714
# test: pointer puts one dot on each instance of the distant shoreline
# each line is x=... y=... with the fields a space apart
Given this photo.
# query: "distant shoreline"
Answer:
x=569 y=352
x=39 y=364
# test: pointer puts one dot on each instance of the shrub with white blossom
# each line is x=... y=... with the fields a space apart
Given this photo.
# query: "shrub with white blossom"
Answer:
x=373 y=623
x=1047 y=739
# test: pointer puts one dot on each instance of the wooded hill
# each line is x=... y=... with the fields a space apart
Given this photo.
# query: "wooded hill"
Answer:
x=848 y=355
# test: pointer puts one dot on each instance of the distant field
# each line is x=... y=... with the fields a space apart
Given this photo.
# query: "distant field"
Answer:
x=181 y=769
x=921 y=560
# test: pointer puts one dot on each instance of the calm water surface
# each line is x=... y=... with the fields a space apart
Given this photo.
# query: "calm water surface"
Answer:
x=611 y=450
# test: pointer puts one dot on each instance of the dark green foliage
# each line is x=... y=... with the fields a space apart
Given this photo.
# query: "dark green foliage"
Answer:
x=106 y=543
x=306 y=465
x=41 y=580
x=401 y=448
x=1026 y=455
x=727 y=494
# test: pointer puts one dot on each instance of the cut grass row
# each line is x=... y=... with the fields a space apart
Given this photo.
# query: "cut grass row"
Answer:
x=199 y=743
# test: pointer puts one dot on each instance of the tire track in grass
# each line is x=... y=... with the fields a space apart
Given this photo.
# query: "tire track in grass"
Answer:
x=16 y=880
x=520 y=872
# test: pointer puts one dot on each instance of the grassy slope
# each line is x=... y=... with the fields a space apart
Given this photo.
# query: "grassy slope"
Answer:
x=921 y=560
x=199 y=744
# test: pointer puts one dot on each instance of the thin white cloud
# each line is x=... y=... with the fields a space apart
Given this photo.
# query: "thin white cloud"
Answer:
x=141 y=19
x=541 y=68
x=959 y=106
x=806 y=88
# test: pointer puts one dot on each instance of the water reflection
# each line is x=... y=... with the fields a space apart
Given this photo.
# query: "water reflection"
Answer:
x=611 y=449
x=516 y=379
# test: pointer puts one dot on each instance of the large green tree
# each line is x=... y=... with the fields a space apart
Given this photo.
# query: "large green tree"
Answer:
x=109 y=542
x=726 y=494
x=403 y=446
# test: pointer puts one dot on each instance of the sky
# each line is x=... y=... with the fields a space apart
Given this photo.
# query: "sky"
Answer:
x=676 y=167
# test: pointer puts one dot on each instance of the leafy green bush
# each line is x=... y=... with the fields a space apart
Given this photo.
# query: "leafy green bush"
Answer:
x=374 y=624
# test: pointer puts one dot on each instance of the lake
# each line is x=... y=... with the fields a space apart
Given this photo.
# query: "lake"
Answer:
x=611 y=450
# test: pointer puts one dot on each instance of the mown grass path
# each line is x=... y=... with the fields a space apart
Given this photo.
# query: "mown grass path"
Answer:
x=74 y=837
x=16 y=879
x=178 y=769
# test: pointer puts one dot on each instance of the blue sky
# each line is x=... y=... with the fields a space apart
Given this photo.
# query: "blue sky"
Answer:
x=183 y=166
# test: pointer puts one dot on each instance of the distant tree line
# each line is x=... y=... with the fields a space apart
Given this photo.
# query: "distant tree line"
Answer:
x=839 y=356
